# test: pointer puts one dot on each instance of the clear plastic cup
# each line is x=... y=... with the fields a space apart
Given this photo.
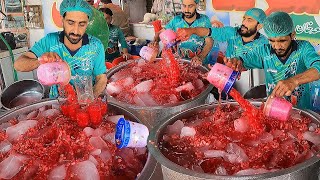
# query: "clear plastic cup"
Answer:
x=277 y=108
x=54 y=73
x=148 y=53
x=84 y=88
x=131 y=134
x=222 y=77
x=168 y=37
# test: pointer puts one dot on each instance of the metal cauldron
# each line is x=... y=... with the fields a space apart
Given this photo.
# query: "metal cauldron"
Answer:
x=21 y=93
x=150 y=166
x=308 y=170
x=257 y=92
x=152 y=115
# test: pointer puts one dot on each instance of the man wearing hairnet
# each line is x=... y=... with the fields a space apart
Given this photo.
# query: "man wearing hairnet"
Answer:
x=289 y=64
x=196 y=48
x=83 y=53
x=240 y=39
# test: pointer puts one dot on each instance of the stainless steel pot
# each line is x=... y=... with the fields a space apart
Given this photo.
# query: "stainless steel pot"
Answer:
x=155 y=114
x=21 y=93
x=150 y=167
x=308 y=170
x=257 y=92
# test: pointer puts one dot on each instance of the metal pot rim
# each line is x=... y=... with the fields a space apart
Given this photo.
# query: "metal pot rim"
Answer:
x=119 y=67
x=159 y=128
x=5 y=89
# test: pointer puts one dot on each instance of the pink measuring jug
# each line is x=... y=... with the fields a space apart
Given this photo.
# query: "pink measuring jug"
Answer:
x=54 y=73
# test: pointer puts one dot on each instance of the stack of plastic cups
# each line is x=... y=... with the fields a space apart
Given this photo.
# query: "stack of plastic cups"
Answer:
x=277 y=108
x=54 y=73
x=222 y=77
x=131 y=134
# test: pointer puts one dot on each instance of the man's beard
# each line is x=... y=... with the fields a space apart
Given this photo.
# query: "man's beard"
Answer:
x=189 y=15
x=249 y=33
x=282 y=52
x=73 y=41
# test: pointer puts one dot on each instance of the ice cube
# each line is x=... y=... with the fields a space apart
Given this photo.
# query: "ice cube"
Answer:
x=98 y=143
x=312 y=137
x=110 y=137
x=114 y=118
x=214 y=153
x=198 y=84
x=266 y=137
x=15 y=131
x=55 y=106
x=144 y=86
x=58 y=173
x=175 y=128
x=187 y=132
x=118 y=75
x=113 y=88
x=236 y=153
x=88 y=131
x=144 y=99
x=221 y=171
x=241 y=125
x=5 y=146
x=96 y=152
x=186 y=87
x=173 y=99
x=312 y=126
x=4 y=126
x=105 y=156
x=33 y=114
x=85 y=170
x=141 y=62
x=98 y=132
x=11 y=166
x=93 y=160
x=49 y=113
x=125 y=82
x=136 y=70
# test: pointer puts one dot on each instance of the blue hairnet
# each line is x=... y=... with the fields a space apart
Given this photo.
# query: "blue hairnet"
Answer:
x=75 y=5
x=257 y=14
x=278 y=24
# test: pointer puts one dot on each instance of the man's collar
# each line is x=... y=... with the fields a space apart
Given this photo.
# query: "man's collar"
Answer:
x=294 y=47
x=85 y=38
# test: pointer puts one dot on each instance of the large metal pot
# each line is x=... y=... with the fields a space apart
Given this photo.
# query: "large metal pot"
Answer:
x=308 y=170
x=152 y=115
x=149 y=169
x=21 y=93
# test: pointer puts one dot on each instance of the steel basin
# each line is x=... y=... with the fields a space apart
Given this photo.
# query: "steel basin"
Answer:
x=21 y=93
x=308 y=170
x=150 y=166
x=155 y=114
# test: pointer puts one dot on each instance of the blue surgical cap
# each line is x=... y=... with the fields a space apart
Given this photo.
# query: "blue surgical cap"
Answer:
x=278 y=24
x=257 y=14
x=75 y=5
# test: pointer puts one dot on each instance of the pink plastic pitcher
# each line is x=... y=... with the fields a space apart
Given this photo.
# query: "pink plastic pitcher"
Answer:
x=54 y=73
x=148 y=53
x=222 y=77
x=277 y=108
x=168 y=37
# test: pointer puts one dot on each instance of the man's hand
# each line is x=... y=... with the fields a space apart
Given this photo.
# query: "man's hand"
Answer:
x=49 y=57
x=233 y=63
x=184 y=34
x=126 y=56
x=196 y=61
x=284 y=88
x=154 y=45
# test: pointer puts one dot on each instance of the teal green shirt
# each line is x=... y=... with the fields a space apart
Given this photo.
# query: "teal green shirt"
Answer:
x=87 y=60
x=194 y=45
x=236 y=46
x=303 y=57
x=115 y=36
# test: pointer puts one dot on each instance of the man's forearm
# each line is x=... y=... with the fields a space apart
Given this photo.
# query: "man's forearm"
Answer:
x=26 y=63
x=100 y=85
x=206 y=49
x=125 y=50
x=201 y=31
x=310 y=75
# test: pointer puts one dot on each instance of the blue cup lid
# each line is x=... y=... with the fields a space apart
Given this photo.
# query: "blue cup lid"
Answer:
x=232 y=79
x=122 y=135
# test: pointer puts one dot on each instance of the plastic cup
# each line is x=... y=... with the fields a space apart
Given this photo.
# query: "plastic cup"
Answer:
x=54 y=73
x=131 y=134
x=84 y=89
x=222 y=77
x=277 y=108
x=168 y=37
x=148 y=53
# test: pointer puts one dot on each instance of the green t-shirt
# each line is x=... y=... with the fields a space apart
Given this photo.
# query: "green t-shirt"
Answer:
x=115 y=36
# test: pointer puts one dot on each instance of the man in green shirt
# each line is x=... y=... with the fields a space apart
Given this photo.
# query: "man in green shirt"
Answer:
x=289 y=65
x=115 y=36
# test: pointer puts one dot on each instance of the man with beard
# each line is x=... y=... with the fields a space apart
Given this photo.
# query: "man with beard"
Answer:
x=196 y=48
x=83 y=53
x=240 y=39
x=115 y=36
x=289 y=65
